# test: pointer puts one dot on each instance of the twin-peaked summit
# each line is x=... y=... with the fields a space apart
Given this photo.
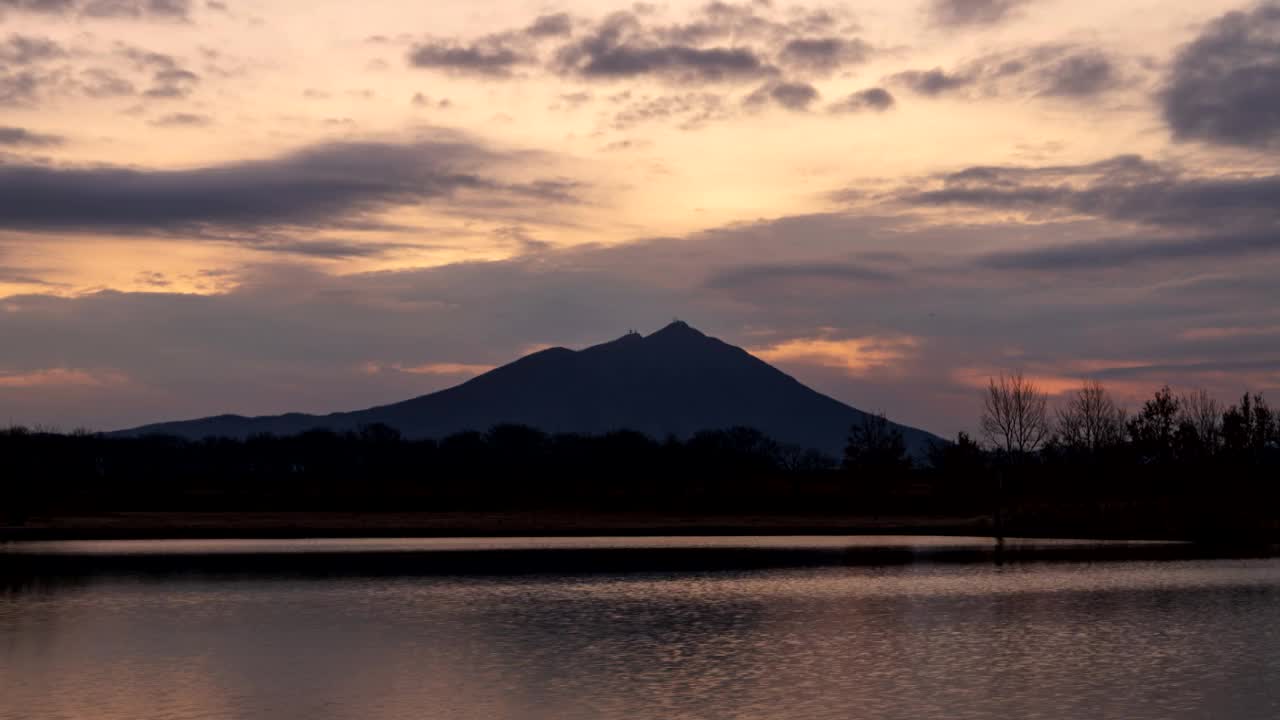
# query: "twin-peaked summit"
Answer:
x=675 y=381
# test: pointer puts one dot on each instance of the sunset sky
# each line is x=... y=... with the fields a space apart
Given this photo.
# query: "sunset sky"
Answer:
x=261 y=206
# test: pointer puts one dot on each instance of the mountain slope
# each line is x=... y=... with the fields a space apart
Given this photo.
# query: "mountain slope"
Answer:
x=675 y=381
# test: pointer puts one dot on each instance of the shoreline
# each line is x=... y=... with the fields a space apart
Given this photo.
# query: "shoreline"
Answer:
x=302 y=525
x=350 y=525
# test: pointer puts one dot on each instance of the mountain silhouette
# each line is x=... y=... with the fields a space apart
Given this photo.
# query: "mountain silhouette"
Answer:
x=676 y=381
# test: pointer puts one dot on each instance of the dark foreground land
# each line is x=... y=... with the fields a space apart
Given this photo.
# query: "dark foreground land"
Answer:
x=517 y=481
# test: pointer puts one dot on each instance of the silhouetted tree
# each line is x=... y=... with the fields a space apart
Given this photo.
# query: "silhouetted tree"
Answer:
x=1249 y=428
x=797 y=459
x=963 y=458
x=1154 y=429
x=1199 y=433
x=1015 y=416
x=1090 y=421
x=379 y=434
x=13 y=488
x=876 y=446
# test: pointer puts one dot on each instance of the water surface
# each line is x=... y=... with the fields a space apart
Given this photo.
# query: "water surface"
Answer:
x=746 y=628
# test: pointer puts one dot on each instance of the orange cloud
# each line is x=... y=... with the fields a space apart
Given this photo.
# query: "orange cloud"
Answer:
x=61 y=377
x=447 y=368
x=441 y=368
x=1053 y=383
x=856 y=356
x=1064 y=378
x=1223 y=333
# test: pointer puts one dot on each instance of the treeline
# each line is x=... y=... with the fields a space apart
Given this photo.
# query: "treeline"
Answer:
x=375 y=468
x=1181 y=464
x=1169 y=428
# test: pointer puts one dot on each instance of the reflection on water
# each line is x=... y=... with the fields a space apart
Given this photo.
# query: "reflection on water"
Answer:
x=201 y=631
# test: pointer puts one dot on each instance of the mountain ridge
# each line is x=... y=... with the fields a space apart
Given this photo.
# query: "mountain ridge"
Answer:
x=675 y=381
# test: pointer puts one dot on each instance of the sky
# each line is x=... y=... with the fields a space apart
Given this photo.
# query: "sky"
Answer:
x=262 y=206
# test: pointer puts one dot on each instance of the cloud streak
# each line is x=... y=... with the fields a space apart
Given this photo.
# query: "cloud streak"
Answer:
x=872 y=99
x=795 y=96
x=1124 y=252
x=1126 y=188
x=21 y=137
x=1052 y=70
x=316 y=184
x=102 y=9
x=968 y=13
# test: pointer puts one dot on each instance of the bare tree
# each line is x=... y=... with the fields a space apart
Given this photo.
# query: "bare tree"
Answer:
x=1015 y=414
x=1091 y=420
x=1203 y=414
x=876 y=445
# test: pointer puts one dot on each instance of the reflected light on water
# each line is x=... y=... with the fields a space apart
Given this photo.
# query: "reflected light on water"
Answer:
x=1136 y=639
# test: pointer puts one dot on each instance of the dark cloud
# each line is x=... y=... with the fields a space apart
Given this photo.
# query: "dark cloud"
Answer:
x=721 y=42
x=485 y=57
x=494 y=55
x=321 y=183
x=797 y=96
x=320 y=249
x=27 y=49
x=170 y=9
x=1045 y=70
x=1225 y=86
x=822 y=55
x=183 y=120
x=551 y=25
x=1183 y=217
x=621 y=47
x=1124 y=252
x=116 y=9
x=973 y=12
x=931 y=82
x=46 y=7
x=873 y=99
x=21 y=137
x=1126 y=188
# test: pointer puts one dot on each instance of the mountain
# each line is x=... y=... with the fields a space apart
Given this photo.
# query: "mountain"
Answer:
x=675 y=381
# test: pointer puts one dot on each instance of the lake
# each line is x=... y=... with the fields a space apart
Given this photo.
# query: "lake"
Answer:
x=635 y=628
